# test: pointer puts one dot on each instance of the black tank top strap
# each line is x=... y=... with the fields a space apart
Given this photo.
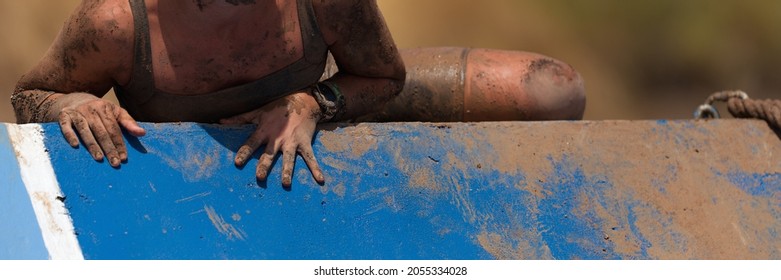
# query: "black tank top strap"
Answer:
x=142 y=78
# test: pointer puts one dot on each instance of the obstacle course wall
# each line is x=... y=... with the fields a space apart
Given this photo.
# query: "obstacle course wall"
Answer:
x=536 y=190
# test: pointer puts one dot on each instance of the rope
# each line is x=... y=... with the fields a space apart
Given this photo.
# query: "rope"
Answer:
x=768 y=110
x=740 y=106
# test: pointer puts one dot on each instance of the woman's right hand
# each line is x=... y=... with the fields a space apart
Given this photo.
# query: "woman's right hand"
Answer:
x=99 y=124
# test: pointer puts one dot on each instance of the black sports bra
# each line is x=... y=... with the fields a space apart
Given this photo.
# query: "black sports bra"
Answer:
x=146 y=103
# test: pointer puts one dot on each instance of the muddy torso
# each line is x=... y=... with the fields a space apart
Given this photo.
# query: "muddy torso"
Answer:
x=187 y=66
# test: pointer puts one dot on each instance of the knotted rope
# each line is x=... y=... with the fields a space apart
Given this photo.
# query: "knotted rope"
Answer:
x=741 y=106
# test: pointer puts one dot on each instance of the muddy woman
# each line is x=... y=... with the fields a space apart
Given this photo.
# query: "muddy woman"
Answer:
x=263 y=62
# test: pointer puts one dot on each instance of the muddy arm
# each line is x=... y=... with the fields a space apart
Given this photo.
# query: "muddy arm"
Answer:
x=462 y=84
x=81 y=64
x=371 y=70
x=85 y=60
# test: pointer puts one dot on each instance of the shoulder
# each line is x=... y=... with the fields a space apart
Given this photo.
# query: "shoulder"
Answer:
x=104 y=21
x=96 y=28
x=93 y=49
x=99 y=34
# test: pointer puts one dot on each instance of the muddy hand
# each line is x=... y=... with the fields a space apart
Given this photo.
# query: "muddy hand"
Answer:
x=98 y=124
x=286 y=125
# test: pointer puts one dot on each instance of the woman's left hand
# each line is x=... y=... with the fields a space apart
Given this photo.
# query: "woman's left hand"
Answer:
x=287 y=125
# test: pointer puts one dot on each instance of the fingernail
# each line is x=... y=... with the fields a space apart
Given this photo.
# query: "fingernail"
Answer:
x=114 y=161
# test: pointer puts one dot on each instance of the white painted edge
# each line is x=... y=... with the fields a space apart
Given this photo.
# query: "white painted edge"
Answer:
x=38 y=176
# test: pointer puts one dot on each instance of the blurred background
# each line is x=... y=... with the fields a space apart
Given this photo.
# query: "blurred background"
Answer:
x=640 y=59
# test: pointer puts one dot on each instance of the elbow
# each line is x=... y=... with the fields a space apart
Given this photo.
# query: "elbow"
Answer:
x=396 y=85
x=577 y=101
x=21 y=104
x=570 y=99
x=520 y=86
x=392 y=85
x=25 y=101
x=32 y=105
x=397 y=80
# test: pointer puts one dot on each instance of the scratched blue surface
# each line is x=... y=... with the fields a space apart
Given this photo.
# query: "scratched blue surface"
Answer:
x=419 y=193
x=127 y=213
x=20 y=237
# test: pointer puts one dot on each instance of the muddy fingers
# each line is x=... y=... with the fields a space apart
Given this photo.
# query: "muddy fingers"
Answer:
x=286 y=125
x=66 y=126
x=84 y=131
x=288 y=164
x=114 y=144
x=264 y=164
x=98 y=124
x=249 y=147
x=309 y=158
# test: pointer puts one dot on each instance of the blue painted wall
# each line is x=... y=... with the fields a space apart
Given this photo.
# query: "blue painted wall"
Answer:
x=553 y=190
x=158 y=204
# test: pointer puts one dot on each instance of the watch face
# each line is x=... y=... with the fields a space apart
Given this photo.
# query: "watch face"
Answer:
x=328 y=93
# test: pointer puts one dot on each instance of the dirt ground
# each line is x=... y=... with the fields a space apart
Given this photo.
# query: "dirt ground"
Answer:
x=640 y=60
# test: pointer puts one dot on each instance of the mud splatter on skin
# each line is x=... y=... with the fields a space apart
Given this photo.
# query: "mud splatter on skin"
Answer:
x=32 y=105
x=85 y=39
x=433 y=90
x=365 y=24
x=539 y=65
x=463 y=84
x=207 y=57
x=203 y=3
x=359 y=38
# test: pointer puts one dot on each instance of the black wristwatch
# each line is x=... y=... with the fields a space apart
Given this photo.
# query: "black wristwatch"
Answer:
x=329 y=98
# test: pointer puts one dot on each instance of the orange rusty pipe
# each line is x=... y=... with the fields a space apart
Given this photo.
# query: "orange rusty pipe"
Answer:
x=463 y=84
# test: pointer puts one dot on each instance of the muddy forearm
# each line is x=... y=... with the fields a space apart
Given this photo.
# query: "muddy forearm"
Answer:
x=32 y=106
x=364 y=95
x=38 y=106
x=454 y=84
